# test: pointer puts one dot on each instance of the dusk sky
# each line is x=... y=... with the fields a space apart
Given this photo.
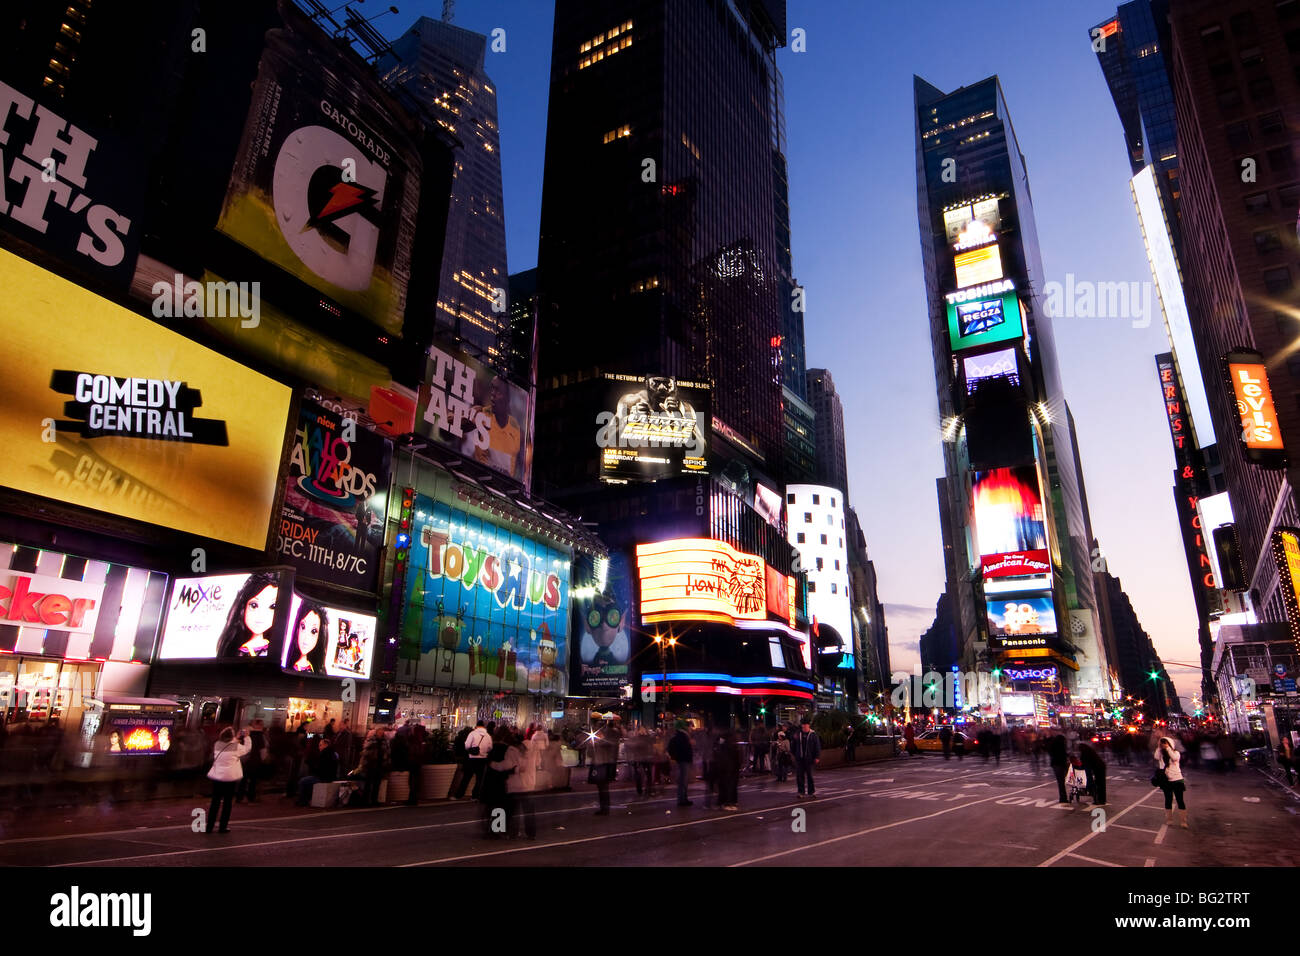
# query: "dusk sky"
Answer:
x=856 y=248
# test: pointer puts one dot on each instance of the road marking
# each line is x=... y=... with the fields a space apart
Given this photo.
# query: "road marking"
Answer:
x=1080 y=856
x=1160 y=834
x=1111 y=822
x=1125 y=826
x=886 y=826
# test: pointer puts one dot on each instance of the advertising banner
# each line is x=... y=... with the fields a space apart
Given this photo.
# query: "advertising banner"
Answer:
x=1007 y=516
x=1023 y=620
x=999 y=364
x=1286 y=555
x=73 y=191
x=984 y=315
x=329 y=641
x=652 y=427
x=326 y=184
x=336 y=500
x=102 y=408
x=604 y=629
x=227 y=616
x=468 y=407
x=1261 y=434
x=700 y=579
x=140 y=734
x=485 y=607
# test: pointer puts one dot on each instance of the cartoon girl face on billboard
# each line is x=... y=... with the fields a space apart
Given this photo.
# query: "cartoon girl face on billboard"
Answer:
x=251 y=617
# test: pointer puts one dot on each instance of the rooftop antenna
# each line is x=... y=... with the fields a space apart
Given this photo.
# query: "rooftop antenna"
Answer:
x=448 y=10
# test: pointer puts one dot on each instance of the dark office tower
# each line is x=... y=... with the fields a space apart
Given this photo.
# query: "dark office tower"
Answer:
x=832 y=462
x=1021 y=562
x=520 y=342
x=939 y=646
x=662 y=248
x=442 y=67
x=1137 y=658
x=1237 y=103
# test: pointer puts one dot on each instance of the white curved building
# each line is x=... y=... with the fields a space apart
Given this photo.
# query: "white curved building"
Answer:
x=815 y=523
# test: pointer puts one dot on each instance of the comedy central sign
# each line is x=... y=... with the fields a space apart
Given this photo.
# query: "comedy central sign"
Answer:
x=104 y=409
x=700 y=579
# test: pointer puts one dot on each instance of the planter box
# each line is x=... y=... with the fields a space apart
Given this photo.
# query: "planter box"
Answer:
x=399 y=787
x=435 y=780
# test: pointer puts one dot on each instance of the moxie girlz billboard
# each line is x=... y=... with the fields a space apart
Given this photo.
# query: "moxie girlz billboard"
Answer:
x=485 y=607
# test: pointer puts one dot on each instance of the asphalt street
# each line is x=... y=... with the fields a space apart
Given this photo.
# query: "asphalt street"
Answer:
x=905 y=812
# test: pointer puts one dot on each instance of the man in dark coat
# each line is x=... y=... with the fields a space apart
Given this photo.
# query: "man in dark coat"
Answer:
x=806 y=748
x=682 y=754
x=945 y=739
x=1095 y=767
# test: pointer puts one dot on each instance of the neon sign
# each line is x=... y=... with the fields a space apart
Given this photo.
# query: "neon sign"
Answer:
x=505 y=573
x=700 y=579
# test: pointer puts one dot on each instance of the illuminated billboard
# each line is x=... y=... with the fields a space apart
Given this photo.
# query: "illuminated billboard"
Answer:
x=104 y=409
x=984 y=211
x=335 y=500
x=1261 y=435
x=467 y=406
x=652 y=427
x=984 y=315
x=227 y=616
x=326 y=182
x=73 y=191
x=604 y=631
x=1021 y=620
x=59 y=605
x=329 y=641
x=700 y=579
x=485 y=607
x=1008 y=522
x=978 y=266
x=1286 y=553
x=999 y=364
x=1018 y=705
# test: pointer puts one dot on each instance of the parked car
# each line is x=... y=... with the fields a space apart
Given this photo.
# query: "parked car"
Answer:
x=930 y=741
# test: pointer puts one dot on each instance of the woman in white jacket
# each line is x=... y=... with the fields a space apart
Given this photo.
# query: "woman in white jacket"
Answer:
x=226 y=772
x=1167 y=762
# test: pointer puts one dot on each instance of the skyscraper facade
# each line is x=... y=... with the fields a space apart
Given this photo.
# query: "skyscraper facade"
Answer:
x=1021 y=543
x=1237 y=101
x=665 y=293
x=1133 y=49
x=442 y=67
x=832 y=460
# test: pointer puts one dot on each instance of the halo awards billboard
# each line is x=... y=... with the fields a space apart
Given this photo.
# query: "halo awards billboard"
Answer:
x=484 y=607
x=104 y=409
x=335 y=500
x=652 y=427
x=468 y=407
x=71 y=191
x=326 y=184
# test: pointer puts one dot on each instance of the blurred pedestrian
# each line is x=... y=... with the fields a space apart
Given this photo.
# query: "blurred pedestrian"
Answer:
x=226 y=772
x=519 y=765
x=945 y=741
x=1286 y=758
x=683 y=755
x=758 y=745
x=806 y=748
x=257 y=762
x=1095 y=767
x=1058 y=755
x=603 y=747
x=850 y=743
x=726 y=761
x=375 y=762
x=501 y=763
x=909 y=740
x=343 y=742
x=478 y=746
x=1169 y=777
x=322 y=767
x=782 y=762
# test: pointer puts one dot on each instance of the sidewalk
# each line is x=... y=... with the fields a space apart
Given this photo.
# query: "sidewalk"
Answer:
x=36 y=819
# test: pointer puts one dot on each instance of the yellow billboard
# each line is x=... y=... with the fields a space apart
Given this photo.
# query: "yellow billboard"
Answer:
x=104 y=409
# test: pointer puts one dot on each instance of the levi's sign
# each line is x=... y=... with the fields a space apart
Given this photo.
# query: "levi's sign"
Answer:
x=57 y=604
x=1259 y=425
